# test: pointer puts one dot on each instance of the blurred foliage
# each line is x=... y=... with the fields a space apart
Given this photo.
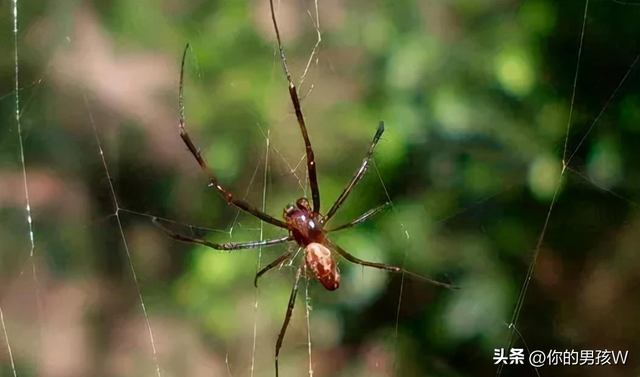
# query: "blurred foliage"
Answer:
x=476 y=98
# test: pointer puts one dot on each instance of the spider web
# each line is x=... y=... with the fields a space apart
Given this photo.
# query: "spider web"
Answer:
x=273 y=156
x=565 y=166
x=24 y=180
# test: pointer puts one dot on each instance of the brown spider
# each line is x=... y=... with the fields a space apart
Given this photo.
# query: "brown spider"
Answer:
x=305 y=224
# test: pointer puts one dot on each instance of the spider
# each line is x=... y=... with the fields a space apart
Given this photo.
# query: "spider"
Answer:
x=305 y=224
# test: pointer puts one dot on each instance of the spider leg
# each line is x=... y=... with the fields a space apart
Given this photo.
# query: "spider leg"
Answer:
x=358 y=175
x=213 y=180
x=293 y=93
x=364 y=217
x=383 y=266
x=225 y=246
x=272 y=265
x=287 y=318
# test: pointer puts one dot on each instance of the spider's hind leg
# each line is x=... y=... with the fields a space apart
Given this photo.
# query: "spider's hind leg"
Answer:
x=287 y=318
x=386 y=267
x=278 y=261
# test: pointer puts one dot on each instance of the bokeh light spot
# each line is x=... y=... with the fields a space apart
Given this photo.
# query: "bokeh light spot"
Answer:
x=544 y=175
x=604 y=163
x=514 y=72
x=451 y=111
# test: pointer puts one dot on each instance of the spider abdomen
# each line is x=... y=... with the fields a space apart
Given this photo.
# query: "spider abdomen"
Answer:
x=322 y=265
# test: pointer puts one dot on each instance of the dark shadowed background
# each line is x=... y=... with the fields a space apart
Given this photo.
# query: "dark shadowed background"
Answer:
x=476 y=97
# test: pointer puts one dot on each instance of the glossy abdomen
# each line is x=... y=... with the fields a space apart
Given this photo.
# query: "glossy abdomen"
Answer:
x=323 y=266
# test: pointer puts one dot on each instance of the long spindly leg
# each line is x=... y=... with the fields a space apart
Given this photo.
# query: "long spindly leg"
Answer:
x=287 y=317
x=357 y=176
x=293 y=93
x=383 y=266
x=213 y=181
x=364 y=217
x=272 y=265
x=224 y=246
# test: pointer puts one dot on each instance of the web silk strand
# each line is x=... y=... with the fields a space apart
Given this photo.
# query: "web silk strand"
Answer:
x=404 y=260
x=6 y=341
x=575 y=83
x=536 y=253
x=264 y=209
x=124 y=238
x=22 y=160
x=565 y=167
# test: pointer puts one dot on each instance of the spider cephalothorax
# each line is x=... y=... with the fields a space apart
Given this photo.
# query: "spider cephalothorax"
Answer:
x=303 y=224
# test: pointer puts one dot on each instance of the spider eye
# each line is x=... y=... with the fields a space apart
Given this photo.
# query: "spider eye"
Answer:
x=303 y=204
x=288 y=210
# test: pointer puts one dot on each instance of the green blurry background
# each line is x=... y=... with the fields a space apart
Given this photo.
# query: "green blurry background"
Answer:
x=476 y=99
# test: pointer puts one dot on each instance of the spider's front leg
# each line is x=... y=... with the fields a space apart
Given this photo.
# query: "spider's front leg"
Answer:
x=357 y=176
x=362 y=218
x=213 y=180
x=229 y=246
x=293 y=93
